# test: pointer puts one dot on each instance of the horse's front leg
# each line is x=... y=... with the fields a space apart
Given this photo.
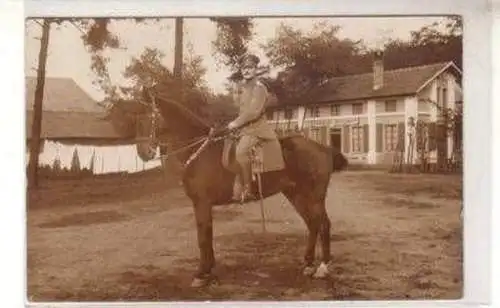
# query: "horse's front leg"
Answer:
x=203 y=216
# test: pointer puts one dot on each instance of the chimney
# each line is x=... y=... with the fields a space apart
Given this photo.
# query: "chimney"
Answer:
x=378 y=70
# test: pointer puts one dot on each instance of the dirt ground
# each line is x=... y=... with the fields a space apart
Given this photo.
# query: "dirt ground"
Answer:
x=393 y=237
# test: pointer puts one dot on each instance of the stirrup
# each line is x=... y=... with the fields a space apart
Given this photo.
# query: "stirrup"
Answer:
x=246 y=195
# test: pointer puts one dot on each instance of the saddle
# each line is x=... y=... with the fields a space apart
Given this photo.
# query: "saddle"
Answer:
x=265 y=156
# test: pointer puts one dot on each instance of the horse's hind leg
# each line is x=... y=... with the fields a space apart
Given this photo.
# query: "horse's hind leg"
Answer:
x=324 y=234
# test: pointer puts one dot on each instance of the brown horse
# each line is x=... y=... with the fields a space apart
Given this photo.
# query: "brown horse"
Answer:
x=207 y=183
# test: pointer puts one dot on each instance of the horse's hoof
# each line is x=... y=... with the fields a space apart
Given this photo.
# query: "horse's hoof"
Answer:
x=308 y=271
x=322 y=271
x=199 y=283
x=204 y=282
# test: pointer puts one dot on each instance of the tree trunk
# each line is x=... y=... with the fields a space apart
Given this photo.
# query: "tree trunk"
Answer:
x=177 y=92
x=36 y=128
x=178 y=48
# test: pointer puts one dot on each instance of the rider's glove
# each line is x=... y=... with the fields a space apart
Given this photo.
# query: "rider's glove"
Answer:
x=231 y=126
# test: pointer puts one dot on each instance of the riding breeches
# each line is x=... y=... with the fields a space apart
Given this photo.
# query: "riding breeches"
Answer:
x=244 y=147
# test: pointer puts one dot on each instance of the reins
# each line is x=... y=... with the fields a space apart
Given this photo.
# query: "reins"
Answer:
x=203 y=140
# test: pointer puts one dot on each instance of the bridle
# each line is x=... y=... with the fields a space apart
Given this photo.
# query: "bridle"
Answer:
x=204 y=140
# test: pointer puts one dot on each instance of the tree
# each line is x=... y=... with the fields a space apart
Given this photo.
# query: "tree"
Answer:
x=233 y=35
x=437 y=42
x=148 y=69
x=36 y=129
x=306 y=60
x=96 y=37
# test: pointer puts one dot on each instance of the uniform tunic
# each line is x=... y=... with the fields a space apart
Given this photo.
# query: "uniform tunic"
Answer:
x=252 y=105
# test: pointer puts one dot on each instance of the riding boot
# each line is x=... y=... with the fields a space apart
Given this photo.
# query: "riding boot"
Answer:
x=237 y=188
x=246 y=171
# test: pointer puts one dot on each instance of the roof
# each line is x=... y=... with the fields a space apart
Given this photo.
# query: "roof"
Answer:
x=73 y=125
x=61 y=94
x=398 y=82
x=68 y=112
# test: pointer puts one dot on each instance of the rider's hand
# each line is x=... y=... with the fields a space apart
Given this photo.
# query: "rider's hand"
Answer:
x=231 y=126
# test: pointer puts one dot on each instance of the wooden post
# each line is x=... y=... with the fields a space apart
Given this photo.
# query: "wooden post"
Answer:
x=36 y=128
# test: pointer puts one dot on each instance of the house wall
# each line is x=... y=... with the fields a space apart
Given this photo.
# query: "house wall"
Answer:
x=429 y=100
x=107 y=159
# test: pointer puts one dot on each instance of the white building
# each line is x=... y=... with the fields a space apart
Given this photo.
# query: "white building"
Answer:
x=366 y=115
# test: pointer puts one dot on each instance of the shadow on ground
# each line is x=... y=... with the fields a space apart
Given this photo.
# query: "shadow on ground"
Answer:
x=255 y=267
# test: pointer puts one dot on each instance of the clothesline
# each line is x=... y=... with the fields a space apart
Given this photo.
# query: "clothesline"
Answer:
x=107 y=159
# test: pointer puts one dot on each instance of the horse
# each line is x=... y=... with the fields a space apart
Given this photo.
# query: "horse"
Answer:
x=207 y=182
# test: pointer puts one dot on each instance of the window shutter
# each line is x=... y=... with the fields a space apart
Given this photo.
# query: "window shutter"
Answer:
x=323 y=134
x=432 y=136
x=365 y=138
x=401 y=136
x=380 y=137
x=346 y=141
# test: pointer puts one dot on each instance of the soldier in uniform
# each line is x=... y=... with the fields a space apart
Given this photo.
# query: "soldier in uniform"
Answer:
x=251 y=120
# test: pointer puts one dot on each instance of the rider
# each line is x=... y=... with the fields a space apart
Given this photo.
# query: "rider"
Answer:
x=251 y=120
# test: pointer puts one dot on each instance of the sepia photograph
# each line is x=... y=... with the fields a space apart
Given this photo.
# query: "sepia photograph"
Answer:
x=248 y=158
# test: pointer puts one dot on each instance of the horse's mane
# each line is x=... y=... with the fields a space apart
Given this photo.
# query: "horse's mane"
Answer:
x=194 y=117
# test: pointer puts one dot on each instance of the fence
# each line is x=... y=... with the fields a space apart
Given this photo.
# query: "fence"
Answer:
x=430 y=141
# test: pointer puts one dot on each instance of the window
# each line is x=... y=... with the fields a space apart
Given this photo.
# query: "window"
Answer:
x=445 y=98
x=391 y=137
x=357 y=139
x=390 y=106
x=269 y=114
x=315 y=134
x=288 y=113
x=314 y=112
x=357 y=108
x=334 y=110
x=438 y=96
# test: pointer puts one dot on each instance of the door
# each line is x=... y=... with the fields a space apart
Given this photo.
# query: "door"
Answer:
x=335 y=138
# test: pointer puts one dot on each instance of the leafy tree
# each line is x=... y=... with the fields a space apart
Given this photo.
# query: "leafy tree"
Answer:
x=233 y=35
x=307 y=60
x=95 y=37
x=148 y=69
x=437 y=42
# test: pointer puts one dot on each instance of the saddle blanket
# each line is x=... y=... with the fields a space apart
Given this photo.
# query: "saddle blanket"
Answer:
x=266 y=156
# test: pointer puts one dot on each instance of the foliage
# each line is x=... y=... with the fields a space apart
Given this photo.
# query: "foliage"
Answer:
x=306 y=60
x=147 y=70
x=233 y=35
x=96 y=37
x=438 y=42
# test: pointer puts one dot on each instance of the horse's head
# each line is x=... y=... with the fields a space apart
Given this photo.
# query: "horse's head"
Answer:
x=148 y=128
x=168 y=119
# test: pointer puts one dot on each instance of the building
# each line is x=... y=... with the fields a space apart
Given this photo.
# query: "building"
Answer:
x=73 y=124
x=366 y=115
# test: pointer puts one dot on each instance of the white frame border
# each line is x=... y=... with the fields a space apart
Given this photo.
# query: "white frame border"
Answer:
x=476 y=83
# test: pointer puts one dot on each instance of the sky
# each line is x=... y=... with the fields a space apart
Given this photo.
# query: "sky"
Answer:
x=69 y=58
